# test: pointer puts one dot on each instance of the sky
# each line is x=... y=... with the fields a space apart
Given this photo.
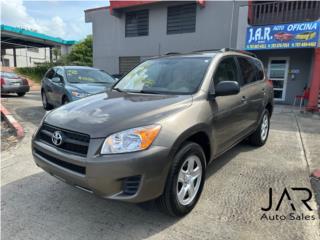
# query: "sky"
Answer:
x=64 y=19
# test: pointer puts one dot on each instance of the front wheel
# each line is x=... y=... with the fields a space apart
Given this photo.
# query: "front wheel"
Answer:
x=65 y=100
x=45 y=103
x=21 y=94
x=185 y=180
x=260 y=136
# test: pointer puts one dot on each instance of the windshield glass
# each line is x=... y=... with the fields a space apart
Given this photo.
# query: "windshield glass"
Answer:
x=9 y=75
x=181 y=75
x=88 y=76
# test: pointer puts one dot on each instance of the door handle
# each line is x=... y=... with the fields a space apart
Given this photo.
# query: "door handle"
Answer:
x=244 y=99
x=263 y=89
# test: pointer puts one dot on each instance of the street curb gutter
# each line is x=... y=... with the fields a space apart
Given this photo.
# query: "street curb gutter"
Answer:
x=12 y=121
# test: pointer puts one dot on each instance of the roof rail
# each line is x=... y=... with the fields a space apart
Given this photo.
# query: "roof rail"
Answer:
x=239 y=51
x=172 y=53
x=207 y=50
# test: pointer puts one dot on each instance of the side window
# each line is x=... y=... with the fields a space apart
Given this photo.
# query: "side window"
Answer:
x=59 y=74
x=260 y=71
x=226 y=71
x=50 y=74
x=248 y=70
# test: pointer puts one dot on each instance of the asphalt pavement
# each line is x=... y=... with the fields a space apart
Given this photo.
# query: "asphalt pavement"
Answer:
x=35 y=205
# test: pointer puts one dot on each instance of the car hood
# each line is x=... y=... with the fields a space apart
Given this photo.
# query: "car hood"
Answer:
x=103 y=114
x=90 y=88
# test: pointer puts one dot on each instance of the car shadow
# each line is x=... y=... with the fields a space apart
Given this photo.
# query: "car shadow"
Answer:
x=222 y=160
x=48 y=204
x=32 y=114
x=45 y=205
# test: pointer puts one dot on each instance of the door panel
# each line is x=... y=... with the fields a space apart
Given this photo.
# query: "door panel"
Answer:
x=228 y=111
x=58 y=88
x=253 y=89
x=228 y=119
x=48 y=85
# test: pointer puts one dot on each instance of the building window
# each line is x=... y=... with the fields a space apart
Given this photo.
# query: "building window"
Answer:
x=181 y=19
x=6 y=62
x=137 y=23
x=36 y=50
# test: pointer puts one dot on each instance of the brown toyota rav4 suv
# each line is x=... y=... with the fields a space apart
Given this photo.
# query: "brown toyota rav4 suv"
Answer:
x=154 y=133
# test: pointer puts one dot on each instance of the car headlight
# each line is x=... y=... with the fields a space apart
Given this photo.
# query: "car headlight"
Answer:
x=132 y=140
x=79 y=94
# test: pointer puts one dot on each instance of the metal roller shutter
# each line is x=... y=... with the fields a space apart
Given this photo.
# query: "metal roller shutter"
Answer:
x=126 y=64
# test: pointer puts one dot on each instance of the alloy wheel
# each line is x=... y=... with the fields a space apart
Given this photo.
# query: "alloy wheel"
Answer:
x=189 y=180
x=264 y=127
x=44 y=99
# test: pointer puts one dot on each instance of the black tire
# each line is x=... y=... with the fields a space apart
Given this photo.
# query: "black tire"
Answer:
x=257 y=138
x=169 y=201
x=65 y=100
x=21 y=94
x=45 y=104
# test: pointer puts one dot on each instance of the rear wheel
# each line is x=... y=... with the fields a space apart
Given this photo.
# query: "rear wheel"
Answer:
x=45 y=103
x=260 y=136
x=21 y=94
x=185 y=180
x=65 y=100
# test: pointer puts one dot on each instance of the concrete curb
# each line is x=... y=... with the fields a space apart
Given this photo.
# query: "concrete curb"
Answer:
x=12 y=121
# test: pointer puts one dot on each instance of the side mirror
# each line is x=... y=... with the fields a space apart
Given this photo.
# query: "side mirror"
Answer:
x=225 y=88
x=56 y=80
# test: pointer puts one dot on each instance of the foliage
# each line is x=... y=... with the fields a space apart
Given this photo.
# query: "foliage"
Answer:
x=80 y=54
x=35 y=73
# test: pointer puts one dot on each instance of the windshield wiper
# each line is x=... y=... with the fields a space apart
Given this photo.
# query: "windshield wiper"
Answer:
x=148 y=92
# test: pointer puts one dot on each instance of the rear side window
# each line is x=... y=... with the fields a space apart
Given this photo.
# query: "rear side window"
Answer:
x=248 y=70
x=50 y=74
x=260 y=71
x=59 y=74
x=226 y=71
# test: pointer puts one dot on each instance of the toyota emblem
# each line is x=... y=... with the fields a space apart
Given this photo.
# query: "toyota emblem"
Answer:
x=57 y=138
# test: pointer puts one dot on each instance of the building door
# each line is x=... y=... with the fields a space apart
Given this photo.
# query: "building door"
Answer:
x=278 y=74
x=5 y=62
x=126 y=64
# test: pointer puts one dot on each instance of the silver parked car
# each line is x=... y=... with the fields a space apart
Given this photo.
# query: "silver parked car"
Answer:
x=13 y=83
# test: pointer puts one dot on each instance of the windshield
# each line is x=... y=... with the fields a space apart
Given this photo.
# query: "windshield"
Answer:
x=88 y=76
x=181 y=75
x=9 y=75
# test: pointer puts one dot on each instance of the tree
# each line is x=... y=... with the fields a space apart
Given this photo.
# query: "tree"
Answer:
x=81 y=53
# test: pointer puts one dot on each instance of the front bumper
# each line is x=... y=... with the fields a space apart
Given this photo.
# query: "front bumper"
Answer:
x=15 y=89
x=105 y=175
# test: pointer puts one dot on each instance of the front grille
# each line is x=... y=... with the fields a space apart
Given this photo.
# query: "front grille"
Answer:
x=131 y=185
x=76 y=143
x=70 y=166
